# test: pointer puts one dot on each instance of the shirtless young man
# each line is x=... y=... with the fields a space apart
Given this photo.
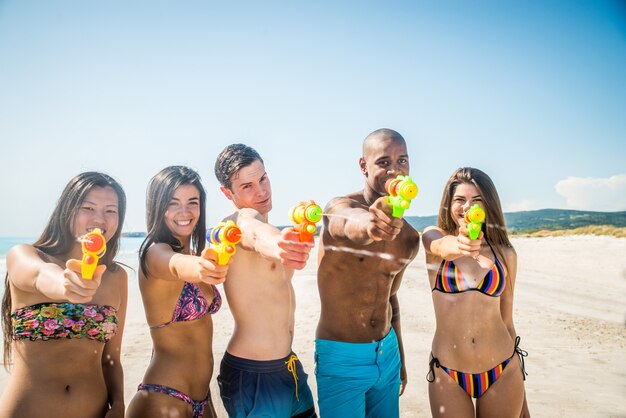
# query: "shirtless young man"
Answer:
x=259 y=374
x=364 y=252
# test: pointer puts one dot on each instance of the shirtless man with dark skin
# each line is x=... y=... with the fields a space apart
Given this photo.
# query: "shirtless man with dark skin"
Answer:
x=364 y=252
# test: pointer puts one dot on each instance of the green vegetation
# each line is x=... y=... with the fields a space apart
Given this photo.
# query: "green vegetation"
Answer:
x=551 y=222
x=609 y=230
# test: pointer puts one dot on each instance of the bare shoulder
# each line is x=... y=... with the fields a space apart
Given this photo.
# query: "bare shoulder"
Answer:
x=24 y=260
x=509 y=254
x=431 y=234
x=246 y=213
x=117 y=273
x=159 y=248
x=22 y=250
x=352 y=200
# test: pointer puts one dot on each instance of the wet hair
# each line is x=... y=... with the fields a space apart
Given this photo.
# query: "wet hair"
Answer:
x=232 y=159
x=494 y=227
x=58 y=236
x=160 y=191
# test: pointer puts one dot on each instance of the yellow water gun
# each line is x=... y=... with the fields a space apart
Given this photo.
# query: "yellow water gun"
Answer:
x=94 y=246
x=223 y=239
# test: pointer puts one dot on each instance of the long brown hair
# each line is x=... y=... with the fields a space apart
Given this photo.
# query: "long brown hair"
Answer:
x=494 y=227
x=160 y=191
x=58 y=238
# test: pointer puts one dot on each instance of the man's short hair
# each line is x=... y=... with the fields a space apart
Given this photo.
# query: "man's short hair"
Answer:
x=232 y=159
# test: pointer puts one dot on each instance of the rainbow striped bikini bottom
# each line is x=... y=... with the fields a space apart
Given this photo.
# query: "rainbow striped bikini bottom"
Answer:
x=476 y=384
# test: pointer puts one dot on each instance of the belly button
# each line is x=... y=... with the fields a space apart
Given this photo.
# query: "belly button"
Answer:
x=67 y=388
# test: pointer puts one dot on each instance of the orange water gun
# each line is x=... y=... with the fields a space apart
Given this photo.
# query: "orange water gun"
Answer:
x=474 y=216
x=401 y=191
x=223 y=239
x=304 y=217
x=94 y=246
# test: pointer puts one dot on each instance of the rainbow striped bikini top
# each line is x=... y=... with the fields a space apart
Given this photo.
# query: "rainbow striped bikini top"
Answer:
x=450 y=279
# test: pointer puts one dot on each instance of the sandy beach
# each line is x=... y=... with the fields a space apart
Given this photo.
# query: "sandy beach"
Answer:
x=569 y=310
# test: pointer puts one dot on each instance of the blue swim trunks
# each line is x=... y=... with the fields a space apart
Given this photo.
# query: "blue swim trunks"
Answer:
x=273 y=388
x=358 y=379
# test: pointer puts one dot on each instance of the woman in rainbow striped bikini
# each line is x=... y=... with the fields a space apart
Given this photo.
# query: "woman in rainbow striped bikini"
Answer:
x=475 y=350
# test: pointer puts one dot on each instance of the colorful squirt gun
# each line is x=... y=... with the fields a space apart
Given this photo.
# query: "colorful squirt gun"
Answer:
x=94 y=246
x=223 y=239
x=401 y=191
x=304 y=217
x=474 y=216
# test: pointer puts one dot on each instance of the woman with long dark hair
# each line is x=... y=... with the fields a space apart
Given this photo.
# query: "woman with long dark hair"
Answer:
x=177 y=280
x=65 y=331
x=475 y=350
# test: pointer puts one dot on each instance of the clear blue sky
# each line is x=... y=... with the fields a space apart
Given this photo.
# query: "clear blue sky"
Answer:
x=532 y=92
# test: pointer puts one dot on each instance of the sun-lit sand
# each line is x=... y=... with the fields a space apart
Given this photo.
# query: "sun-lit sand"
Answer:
x=569 y=310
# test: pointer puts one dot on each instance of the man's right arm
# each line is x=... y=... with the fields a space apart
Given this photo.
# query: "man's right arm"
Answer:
x=270 y=242
x=348 y=220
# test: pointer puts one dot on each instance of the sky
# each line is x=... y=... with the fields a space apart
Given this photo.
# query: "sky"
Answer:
x=533 y=93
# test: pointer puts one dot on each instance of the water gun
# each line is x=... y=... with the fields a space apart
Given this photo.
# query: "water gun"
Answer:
x=304 y=217
x=223 y=239
x=401 y=191
x=94 y=246
x=475 y=216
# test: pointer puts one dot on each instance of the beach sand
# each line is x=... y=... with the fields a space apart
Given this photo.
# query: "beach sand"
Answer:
x=569 y=310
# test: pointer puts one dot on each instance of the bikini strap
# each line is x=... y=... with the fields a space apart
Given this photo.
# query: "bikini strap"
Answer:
x=521 y=354
x=434 y=362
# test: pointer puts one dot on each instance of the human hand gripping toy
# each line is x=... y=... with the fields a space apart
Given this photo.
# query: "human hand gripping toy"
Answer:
x=223 y=239
x=401 y=191
x=474 y=216
x=94 y=246
x=304 y=217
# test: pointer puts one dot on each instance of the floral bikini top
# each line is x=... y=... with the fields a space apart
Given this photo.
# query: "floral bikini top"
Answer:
x=46 y=321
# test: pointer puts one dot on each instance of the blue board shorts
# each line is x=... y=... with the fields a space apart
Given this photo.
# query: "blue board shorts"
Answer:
x=272 y=388
x=358 y=379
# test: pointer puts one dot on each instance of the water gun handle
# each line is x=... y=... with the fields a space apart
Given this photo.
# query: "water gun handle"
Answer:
x=94 y=246
x=474 y=216
x=401 y=191
x=304 y=216
x=224 y=239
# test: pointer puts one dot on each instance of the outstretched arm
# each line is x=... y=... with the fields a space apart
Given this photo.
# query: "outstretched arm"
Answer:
x=450 y=247
x=165 y=264
x=30 y=273
x=283 y=246
x=349 y=220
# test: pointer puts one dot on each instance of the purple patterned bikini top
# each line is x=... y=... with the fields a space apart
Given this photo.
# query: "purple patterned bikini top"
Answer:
x=193 y=305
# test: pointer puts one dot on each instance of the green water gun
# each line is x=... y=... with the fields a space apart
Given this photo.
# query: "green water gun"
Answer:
x=474 y=216
x=401 y=191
